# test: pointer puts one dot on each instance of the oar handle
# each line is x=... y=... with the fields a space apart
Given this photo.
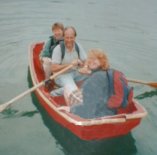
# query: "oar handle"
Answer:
x=7 y=104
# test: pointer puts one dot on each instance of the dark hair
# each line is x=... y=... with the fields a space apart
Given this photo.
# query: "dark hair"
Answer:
x=58 y=25
x=70 y=27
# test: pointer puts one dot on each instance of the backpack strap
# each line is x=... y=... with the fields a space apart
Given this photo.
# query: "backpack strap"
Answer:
x=54 y=43
x=77 y=49
x=62 y=45
x=52 y=40
x=110 y=81
x=62 y=49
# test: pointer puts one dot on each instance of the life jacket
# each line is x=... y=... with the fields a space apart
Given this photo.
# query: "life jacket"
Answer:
x=54 y=43
x=120 y=94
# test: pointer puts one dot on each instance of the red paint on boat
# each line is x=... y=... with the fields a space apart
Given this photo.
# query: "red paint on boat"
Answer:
x=86 y=129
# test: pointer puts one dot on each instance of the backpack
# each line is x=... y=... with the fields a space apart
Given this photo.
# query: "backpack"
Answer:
x=120 y=94
x=62 y=45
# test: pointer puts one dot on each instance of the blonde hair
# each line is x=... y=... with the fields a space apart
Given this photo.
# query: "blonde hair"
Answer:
x=101 y=56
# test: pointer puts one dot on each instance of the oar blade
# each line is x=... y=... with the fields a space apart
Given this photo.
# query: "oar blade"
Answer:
x=3 y=107
x=7 y=104
x=153 y=84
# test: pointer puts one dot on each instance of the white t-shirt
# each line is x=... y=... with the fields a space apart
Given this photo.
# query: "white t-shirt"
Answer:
x=69 y=56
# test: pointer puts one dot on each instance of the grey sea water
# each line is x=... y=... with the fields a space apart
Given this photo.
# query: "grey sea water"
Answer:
x=125 y=29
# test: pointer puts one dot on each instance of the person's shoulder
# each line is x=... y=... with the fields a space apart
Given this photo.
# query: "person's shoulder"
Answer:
x=57 y=49
x=99 y=74
x=81 y=49
x=48 y=40
x=78 y=44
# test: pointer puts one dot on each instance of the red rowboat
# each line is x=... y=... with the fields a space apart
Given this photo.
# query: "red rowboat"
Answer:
x=86 y=129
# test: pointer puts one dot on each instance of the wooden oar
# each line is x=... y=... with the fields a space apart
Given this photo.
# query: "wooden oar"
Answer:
x=7 y=104
x=151 y=84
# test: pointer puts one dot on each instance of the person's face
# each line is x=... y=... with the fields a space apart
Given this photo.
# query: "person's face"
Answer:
x=58 y=34
x=69 y=38
x=93 y=63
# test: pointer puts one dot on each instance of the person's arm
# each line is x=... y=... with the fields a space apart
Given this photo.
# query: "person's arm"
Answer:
x=58 y=67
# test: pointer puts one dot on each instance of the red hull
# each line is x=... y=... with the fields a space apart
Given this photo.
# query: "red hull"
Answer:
x=86 y=129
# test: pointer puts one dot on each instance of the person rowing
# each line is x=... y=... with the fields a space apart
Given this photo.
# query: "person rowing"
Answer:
x=73 y=53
